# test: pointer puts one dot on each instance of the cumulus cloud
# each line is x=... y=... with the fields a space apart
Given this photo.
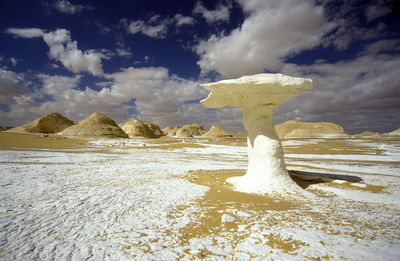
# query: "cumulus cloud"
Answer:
x=350 y=16
x=65 y=50
x=65 y=6
x=151 y=93
x=220 y=13
x=159 y=96
x=265 y=38
x=362 y=94
x=11 y=84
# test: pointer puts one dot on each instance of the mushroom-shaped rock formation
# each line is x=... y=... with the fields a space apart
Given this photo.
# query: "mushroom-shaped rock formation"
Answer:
x=258 y=96
x=50 y=123
x=96 y=125
x=137 y=128
x=217 y=131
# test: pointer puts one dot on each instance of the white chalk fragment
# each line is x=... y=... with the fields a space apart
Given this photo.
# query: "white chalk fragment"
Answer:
x=227 y=218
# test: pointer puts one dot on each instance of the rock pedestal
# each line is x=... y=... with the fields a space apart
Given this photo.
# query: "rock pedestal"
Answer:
x=258 y=96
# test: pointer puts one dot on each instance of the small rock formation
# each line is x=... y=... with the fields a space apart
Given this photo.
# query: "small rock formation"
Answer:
x=170 y=131
x=50 y=123
x=186 y=131
x=227 y=218
x=297 y=129
x=370 y=134
x=96 y=125
x=4 y=128
x=137 y=128
x=194 y=129
x=217 y=131
x=183 y=133
x=258 y=96
x=394 y=133
x=166 y=129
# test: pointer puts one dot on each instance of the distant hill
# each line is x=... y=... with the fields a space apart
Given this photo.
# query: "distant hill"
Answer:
x=298 y=129
x=4 y=128
x=190 y=130
x=138 y=128
x=96 y=125
x=217 y=131
x=395 y=132
x=50 y=123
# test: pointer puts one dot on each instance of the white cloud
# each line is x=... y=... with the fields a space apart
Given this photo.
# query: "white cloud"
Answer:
x=158 y=95
x=66 y=51
x=382 y=46
x=373 y=12
x=56 y=85
x=13 y=61
x=26 y=32
x=154 y=28
x=350 y=23
x=65 y=6
x=362 y=94
x=123 y=51
x=265 y=38
x=11 y=84
x=63 y=49
x=221 y=12
x=181 y=20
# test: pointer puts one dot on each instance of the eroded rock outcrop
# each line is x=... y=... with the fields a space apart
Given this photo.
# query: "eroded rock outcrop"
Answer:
x=96 y=125
x=194 y=129
x=170 y=131
x=298 y=129
x=138 y=128
x=217 y=131
x=258 y=96
x=183 y=133
x=50 y=123
x=394 y=133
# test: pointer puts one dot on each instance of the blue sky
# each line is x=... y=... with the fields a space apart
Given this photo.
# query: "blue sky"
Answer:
x=146 y=59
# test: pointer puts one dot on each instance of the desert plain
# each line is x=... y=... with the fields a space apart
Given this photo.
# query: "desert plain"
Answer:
x=76 y=198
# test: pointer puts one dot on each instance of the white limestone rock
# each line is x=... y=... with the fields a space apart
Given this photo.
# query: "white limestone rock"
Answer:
x=227 y=218
x=258 y=95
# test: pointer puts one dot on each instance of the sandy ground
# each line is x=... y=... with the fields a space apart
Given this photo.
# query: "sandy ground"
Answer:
x=162 y=199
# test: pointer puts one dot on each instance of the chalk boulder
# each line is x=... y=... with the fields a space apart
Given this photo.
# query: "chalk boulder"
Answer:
x=50 y=123
x=258 y=96
x=96 y=125
x=138 y=128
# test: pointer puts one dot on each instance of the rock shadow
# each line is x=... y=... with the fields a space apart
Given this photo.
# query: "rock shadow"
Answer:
x=304 y=178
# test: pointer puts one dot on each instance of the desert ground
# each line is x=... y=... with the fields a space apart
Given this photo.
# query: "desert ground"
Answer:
x=67 y=198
